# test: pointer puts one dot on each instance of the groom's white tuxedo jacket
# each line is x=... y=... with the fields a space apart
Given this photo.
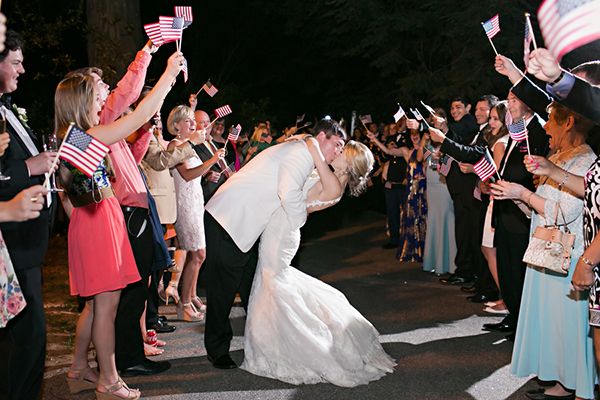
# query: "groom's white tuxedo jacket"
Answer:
x=274 y=178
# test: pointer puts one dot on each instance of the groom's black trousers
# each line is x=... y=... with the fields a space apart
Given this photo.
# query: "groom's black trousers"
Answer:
x=228 y=271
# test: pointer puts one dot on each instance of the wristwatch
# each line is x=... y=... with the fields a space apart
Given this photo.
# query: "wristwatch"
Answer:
x=562 y=75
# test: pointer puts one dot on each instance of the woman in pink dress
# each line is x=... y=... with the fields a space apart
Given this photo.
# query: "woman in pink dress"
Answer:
x=101 y=261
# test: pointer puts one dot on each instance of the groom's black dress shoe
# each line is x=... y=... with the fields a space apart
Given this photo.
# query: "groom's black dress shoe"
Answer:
x=162 y=326
x=499 y=327
x=147 y=367
x=222 y=362
x=482 y=298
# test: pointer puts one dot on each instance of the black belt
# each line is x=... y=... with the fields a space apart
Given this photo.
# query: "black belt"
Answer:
x=130 y=209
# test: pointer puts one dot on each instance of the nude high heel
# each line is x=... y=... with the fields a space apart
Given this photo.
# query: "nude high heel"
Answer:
x=132 y=394
x=187 y=312
x=198 y=304
x=79 y=383
x=171 y=291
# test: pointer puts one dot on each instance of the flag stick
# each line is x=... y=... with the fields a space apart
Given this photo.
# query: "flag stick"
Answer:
x=527 y=141
x=531 y=30
x=490 y=39
x=198 y=92
x=55 y=161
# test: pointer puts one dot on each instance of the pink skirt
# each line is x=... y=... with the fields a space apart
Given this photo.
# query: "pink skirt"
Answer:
x=100 y=255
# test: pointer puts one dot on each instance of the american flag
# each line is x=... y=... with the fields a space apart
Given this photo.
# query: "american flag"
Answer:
x=184 y=12
x=429 y=108
x=365 y=119
x=82 y=150
x=234 y=133
x=444 y=167
x=209 y=88
x=399 y=114
x=171 y=28
x=518 y=130
x=154 y=34
x=485 y=168
x=417 y=114
x=223 y=111
x=491 y=26
x=184 y=69
x=528 y=39
x=569 y=24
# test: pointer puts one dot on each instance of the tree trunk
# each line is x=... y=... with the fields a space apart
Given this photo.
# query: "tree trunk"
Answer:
x=115 y=35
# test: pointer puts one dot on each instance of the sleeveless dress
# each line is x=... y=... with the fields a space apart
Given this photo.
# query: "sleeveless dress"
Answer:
x=440 y=245
x=591 y=226
x=414 y=220
x=487 y=239
x=190 y=209
x=12 y=301
x=100 y=255
x=301 y=330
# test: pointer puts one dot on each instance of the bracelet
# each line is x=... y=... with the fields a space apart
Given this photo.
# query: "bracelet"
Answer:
x=562 y=75
x=565 y=179
x=587 y=262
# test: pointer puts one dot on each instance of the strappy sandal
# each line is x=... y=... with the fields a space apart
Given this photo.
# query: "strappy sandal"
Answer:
x=79 y=382
x=132 y=394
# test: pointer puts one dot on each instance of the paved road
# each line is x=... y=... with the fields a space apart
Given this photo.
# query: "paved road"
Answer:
x=430 y=329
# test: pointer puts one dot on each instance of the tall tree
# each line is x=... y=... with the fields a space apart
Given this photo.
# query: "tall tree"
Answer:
x=114 y=28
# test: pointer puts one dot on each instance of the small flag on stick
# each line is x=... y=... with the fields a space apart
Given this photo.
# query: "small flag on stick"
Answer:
x=234 y=133
x=485 y=168
x=223 y=111
x=171 y=28
x=528 y=39
x=154 y=33
x=419 y=117
x=518 y=131
x=82 y=150
x=365 y=119
x=184 y=12
x=569 y=24
x=428 y=108
x=491 y=28
x=209 y=88
x=399 y=114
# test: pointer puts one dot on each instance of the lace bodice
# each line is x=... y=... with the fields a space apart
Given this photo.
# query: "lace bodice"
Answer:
x=310 y=182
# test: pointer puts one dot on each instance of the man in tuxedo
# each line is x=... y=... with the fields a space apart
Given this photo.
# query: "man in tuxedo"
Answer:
x=237 y=215
x=23 y=341
x=218 y=173
x=511 y=236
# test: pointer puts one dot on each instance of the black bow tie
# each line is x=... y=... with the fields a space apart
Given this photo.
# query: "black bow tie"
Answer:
x=6 y=101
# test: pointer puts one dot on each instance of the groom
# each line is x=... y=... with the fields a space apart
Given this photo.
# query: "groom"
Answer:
x=237 y=215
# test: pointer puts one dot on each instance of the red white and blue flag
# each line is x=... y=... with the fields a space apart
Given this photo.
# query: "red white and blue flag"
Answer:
x=518 y=130
x=399 y=114
x=492 y=26
x=234 y=134
x=223 y=111
x=528 y=39
x=184 y=12
x=209 y=88
x=365 y=119
x=83 y=151
x=569 y=24
x=485 y=168
x=171 y=28
x=154 y=33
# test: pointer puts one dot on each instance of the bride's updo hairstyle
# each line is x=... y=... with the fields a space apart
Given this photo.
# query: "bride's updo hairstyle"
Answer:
x=360 y=163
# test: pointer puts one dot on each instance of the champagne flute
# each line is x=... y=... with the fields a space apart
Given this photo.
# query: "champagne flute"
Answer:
x=51 y=144
x=3 y=130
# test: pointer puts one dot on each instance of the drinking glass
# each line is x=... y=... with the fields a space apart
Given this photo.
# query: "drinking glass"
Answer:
x=50 y=142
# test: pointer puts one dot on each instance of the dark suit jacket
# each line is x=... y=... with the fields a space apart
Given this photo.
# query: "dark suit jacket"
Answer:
x=584 y=99
x=26 y=241
x=209 y=188
x=461 y=132
x=506 y=212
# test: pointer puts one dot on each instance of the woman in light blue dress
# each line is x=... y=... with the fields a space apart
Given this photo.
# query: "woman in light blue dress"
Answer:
x=553 y=339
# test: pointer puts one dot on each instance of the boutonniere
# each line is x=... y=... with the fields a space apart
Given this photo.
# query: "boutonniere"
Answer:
x=21 y=114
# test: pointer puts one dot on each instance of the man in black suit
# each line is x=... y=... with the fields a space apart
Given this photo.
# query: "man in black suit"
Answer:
x=512 y=225
x=23 y=341
x=218 y=173
x=463 y=130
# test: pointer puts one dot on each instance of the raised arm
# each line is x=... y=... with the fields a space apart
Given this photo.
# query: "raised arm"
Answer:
x=121 y=128
x=331 y=188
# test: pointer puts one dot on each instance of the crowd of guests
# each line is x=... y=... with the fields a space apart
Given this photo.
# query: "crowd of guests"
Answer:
x=143 y=207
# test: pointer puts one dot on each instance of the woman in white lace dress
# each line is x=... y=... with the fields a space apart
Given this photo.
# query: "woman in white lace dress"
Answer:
x=190 y=206
x=299 y=329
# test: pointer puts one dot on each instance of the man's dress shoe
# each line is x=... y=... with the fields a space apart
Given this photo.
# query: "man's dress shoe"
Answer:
x=147 y=367
x=499 y=327
x=456 y=280
x=162 y=326
x=481 y=298
x=222 y=362
x=469 y=289
x=538 y=394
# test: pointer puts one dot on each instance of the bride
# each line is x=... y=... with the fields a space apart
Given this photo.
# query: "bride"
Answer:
x=299 y=329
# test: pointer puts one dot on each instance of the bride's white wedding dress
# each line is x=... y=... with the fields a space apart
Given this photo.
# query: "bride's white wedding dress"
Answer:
x=301 y=330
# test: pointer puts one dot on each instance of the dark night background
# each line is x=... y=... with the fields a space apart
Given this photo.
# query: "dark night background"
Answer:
x=276 y=59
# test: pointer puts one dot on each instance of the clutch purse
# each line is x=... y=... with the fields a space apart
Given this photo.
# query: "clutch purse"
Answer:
x=550 y=247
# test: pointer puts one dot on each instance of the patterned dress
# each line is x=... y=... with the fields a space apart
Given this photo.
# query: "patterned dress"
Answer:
x=414 y=221
x=591 y=225
x=11 y=297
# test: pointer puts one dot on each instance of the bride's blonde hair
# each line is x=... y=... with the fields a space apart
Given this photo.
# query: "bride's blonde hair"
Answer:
x=360 y=163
